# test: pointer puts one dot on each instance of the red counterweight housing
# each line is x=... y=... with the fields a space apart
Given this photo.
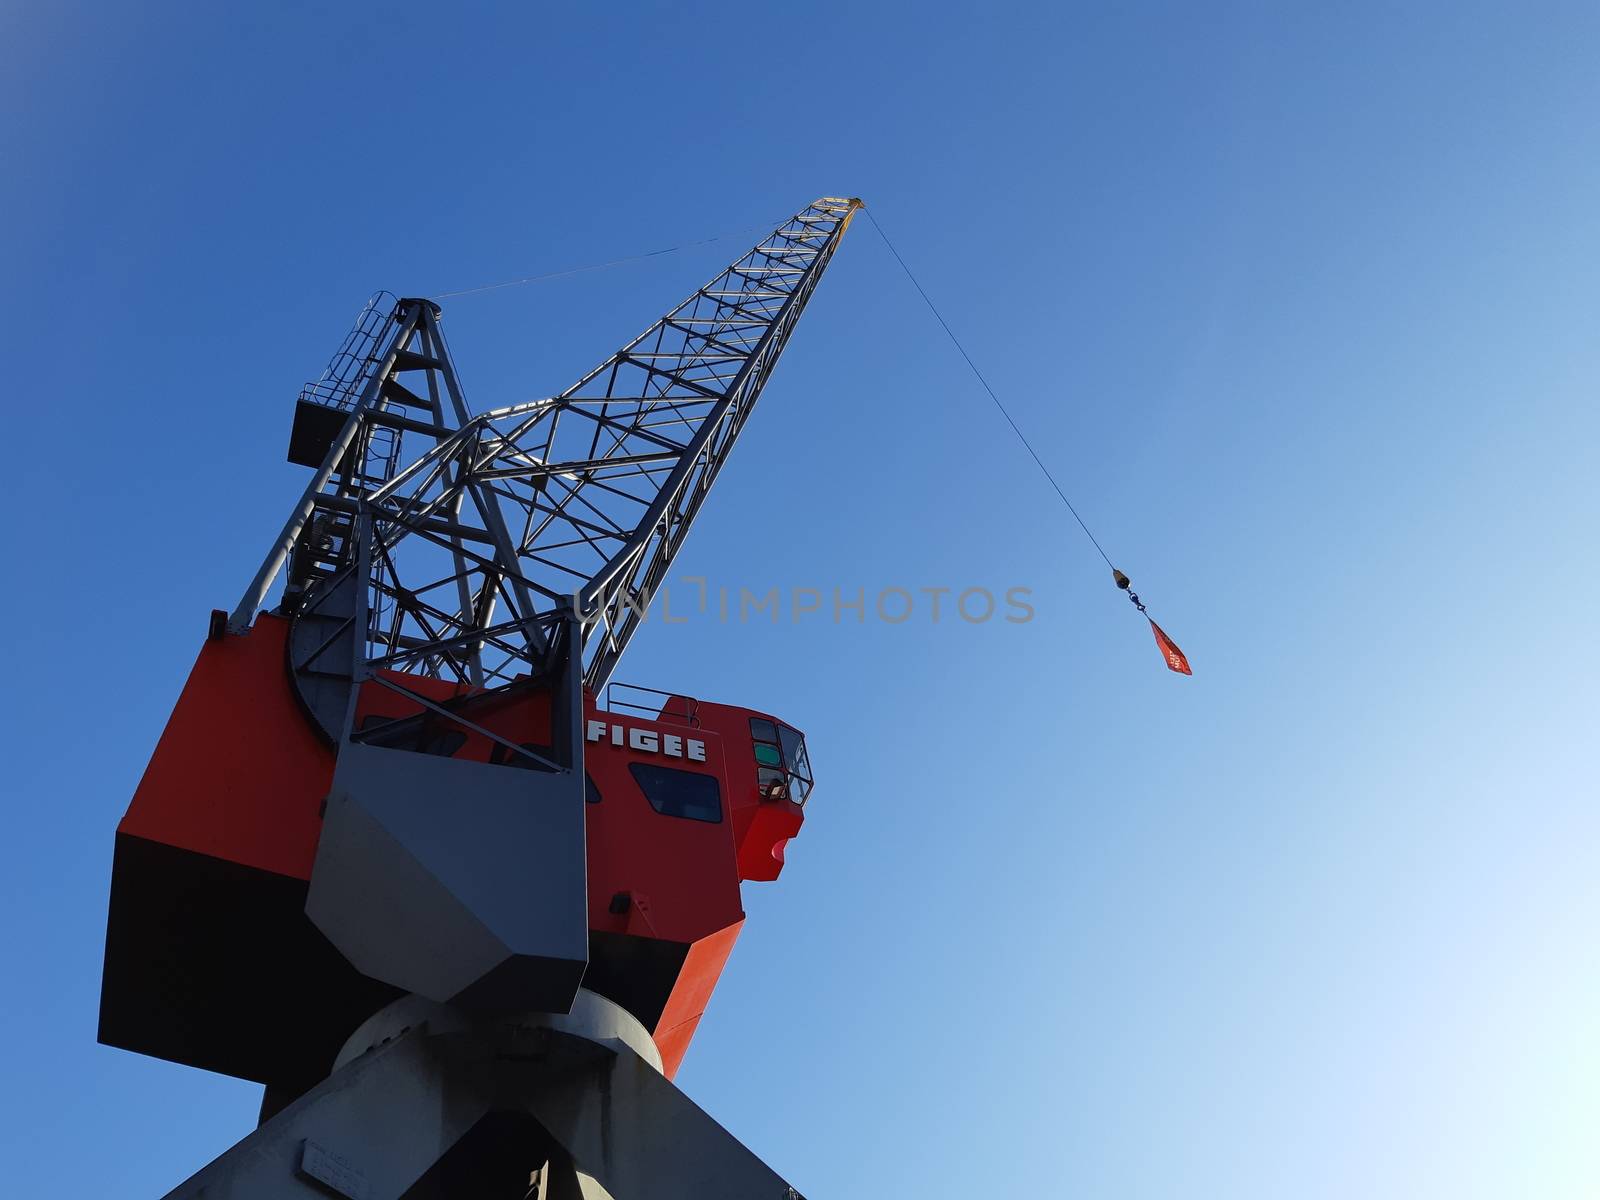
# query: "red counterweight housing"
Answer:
x=211 y=959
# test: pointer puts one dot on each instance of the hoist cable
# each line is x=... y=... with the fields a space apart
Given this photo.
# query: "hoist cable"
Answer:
x=1170 y=653
x=977 y=374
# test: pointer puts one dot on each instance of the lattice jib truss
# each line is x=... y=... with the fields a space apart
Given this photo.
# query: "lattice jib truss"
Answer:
x=483 y=533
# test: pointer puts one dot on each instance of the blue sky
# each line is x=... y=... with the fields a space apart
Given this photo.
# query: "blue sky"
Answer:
x=1299 y=305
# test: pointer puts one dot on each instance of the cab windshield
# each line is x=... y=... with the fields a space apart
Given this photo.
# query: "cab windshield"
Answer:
x=782 y=765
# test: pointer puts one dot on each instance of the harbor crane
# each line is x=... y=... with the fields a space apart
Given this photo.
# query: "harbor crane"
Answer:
x=404 y=853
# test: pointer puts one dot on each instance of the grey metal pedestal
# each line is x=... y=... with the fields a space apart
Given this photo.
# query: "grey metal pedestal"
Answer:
x=426 y=1104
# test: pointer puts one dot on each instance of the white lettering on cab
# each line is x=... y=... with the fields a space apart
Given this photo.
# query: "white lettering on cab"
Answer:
x=646 y=740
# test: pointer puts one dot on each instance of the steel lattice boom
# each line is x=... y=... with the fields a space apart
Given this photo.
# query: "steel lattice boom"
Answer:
x=478 y=537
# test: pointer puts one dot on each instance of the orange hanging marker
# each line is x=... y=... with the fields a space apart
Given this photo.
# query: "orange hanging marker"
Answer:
x=1175 y=658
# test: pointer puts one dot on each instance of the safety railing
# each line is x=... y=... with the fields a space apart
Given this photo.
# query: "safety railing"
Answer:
x=339 y=386
x=651 y=703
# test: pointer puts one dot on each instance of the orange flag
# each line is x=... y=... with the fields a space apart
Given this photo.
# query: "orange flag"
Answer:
x=1169 y=650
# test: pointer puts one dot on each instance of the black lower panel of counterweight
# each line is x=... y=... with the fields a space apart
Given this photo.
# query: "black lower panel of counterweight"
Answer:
x=216 y=965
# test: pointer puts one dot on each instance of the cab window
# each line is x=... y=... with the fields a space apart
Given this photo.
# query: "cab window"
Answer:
x=675 y=793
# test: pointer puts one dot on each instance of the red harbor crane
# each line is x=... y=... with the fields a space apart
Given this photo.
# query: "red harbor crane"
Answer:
x=404 y=854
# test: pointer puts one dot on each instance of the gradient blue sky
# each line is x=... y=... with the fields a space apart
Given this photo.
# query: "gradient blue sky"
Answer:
x=1300 y=305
